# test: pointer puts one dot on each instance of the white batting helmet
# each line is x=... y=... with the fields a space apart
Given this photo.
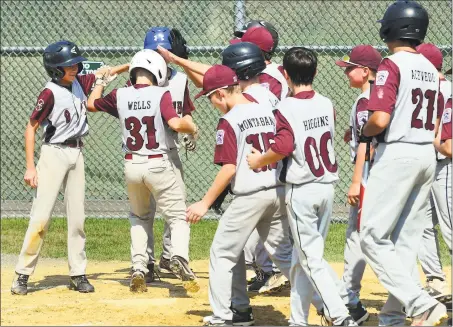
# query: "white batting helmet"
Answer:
x=152 y=62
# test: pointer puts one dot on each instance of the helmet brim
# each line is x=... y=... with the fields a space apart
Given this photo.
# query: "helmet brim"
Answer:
x=70 y=62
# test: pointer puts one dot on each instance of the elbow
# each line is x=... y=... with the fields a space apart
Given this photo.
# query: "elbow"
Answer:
x=90 y=106
x=175 y=124
x=231 y=170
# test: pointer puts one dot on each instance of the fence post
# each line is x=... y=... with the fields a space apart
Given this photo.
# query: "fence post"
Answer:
x=239 y=14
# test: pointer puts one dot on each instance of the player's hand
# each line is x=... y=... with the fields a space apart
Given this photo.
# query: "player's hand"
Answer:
x=31 y=177
x=354 y=194
x=347 y=136
x=101 y=72
x=195 y=212
x=363 y=138
x=167 y=55
x=253 y=159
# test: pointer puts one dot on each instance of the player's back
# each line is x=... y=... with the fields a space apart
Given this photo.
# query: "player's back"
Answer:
x=414 y=114
x=143 y=127
x=274 y=71
x=254 y=126
x=312 y=120
x=262 y=95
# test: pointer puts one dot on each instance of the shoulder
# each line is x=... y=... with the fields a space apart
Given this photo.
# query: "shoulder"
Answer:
x=45 y=98
x=322 y=99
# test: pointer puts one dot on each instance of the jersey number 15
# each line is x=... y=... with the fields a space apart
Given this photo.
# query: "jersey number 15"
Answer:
x=254 y=140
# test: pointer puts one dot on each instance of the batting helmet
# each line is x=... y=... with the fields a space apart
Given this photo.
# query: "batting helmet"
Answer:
x=61 y=54
x=158 y=36
x=264 y=24
x=151 y=61
x=405 y=20
x=245 y=58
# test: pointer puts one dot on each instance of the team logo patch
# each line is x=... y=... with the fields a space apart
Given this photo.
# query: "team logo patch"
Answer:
x=380 y=93
x=381 y=77
x=39 y=105
x=362 y=117
x=219 y=137
x=446 y=116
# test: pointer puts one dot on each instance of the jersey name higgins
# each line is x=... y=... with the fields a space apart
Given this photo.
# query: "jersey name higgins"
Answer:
x=316 y=122
x=256 y=122
x=423 y=76
x=138 y=105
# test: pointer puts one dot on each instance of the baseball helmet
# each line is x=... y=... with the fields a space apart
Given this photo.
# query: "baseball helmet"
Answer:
x=61 y=54
x=261 y=23
x=151 y=61
x=406 y=20
x=158 y=36
x=245 y=58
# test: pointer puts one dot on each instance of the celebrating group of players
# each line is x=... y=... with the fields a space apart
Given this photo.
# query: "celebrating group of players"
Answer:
x=275 y=146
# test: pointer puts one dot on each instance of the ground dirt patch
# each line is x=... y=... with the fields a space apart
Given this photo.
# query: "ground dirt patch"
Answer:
x=50 y=302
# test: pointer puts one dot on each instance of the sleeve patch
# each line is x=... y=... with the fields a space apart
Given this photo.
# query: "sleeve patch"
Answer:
x=446 y=116
x=39 y=105
x=220 y=136
x=362 y=117
x=381 y=77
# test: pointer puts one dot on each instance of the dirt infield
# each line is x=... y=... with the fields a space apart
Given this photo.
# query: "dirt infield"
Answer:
x=50 y=302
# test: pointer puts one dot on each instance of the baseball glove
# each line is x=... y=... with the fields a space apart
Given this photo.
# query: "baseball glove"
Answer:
x=190 y=140
x=179 y=44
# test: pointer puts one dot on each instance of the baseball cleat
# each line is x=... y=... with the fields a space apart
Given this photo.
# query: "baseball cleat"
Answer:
x=260 y=280
x=180 y=267
x=240 y=318
x=138 y=283
x=164 y=267
x=359 y=313
x=438 y=289
x=275 y=283
x=151 y=274
x=81 y=284
x=211 y=321
x=431 y=317
x=250 y=273
x=349 y=321
x=19 y=286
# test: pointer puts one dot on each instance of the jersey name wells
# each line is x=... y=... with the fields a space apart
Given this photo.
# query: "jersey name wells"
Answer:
x=138 y=105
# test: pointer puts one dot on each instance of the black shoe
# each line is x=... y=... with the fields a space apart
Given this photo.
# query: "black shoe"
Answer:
x=180 y=267
x=243 y=318
x=152 y=274
x=19 y=286
x=359 y=313
x=259 y=281
x=348 y=322
x=138 y=284
x=81 y=284
x=164 y=266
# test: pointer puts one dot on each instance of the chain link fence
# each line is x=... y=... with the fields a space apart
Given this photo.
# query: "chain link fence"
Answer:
x=111 y=32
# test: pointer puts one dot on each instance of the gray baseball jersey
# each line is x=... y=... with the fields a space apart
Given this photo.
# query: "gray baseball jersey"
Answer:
x=272 y=78
x=261 y=95
x=357 y=118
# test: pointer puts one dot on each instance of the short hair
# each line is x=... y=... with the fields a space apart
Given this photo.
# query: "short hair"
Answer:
x=267 y=55
x=233 y=89
x=300 y=63
x=133 y=75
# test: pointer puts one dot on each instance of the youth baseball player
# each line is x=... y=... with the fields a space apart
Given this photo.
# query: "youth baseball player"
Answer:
x=61 y=112
x=304 y=141
x=257 y=203
x=177 y=84
x=360 y=68
x=146 y=115
x=403 y=104
x=438 y=207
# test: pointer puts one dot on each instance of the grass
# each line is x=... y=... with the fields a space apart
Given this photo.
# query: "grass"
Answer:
x=109 y=239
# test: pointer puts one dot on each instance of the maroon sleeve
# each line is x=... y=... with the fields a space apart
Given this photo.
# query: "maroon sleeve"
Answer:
x=274 y=85
x=166 y=107
x=107 y=104
x=383 y=96
x=284 y=137
x=187 y=106
x=226 y=149
x=44 y=106
x=446 y=118
x=440 y=104
x=86 y=81
x=128 y=83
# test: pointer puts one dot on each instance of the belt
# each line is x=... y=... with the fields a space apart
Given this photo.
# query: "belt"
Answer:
x=73 y=143
x=128 y=156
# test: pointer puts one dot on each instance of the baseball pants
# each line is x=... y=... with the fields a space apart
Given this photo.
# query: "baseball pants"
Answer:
x=354 y=261
x=255 y=252
x=393 y=219
x=173 y=156
x=309 y=208
x=58 y=165
x=263 y=210
x=157 y=178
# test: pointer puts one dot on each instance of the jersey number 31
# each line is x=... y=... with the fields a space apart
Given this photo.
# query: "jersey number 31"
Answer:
x=135 y=141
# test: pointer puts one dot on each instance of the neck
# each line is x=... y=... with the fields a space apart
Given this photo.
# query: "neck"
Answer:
x=143 y=80
x=441 y=76
x=267 y=62
x=302 y=88
x=398 y=46
x=365 y=86
x=235 y=99
x=64 y=83
x=246 y=84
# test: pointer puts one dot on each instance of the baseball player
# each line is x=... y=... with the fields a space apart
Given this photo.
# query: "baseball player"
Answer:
x=146 y=115
x=61 y=112
x=177 y=84
x=304 y=141
x=360 y=68
x=438 y=207
x=442 y=143
x=403 y=104
x=258 y=201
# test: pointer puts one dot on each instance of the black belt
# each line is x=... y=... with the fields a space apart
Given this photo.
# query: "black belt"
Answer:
x=73 y=143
